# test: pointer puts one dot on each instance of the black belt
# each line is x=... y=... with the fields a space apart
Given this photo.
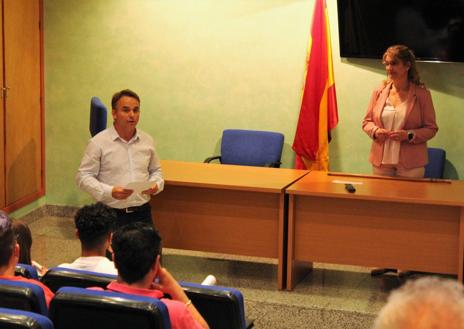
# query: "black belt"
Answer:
x=129 y=210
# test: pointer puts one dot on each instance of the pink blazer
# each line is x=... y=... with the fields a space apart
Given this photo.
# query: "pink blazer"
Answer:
x=420 y=118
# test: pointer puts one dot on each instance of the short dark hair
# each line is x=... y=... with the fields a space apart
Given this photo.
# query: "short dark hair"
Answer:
x=135 y=248
x=24 y=238
x=126 y=92
x=94 y=223
x=7 y=239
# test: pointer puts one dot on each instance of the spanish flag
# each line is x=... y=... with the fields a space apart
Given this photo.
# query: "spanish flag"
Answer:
x=318 y=114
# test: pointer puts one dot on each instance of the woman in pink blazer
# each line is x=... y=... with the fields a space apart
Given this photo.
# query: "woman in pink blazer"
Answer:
x=400 y=118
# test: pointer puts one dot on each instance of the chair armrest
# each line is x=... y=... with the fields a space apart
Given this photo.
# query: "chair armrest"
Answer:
x=208 y=160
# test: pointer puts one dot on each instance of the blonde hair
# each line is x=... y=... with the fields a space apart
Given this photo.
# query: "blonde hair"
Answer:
x=426 y=303
x=405 y=55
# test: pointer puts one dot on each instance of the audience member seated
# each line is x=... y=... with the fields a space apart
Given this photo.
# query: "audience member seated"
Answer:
x=426 y=303
x=94 y=224
x=24 y=239
x=136 y=253
x=9 y=256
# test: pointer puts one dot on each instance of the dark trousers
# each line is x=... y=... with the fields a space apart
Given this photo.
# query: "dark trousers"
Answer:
x=140 y=214
x=143 y=214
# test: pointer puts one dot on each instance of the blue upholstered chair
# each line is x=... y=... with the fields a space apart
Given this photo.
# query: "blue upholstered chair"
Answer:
x=250 y=148
x=27 y=271
x=57 y=277
x=436 y=166
x=77 y=308
x=221 y=307
x=98 y=115
x=22 y=296
x=17 y=319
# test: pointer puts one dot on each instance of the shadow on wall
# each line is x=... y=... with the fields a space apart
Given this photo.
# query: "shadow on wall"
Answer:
x=288 y=156
x=443 y=77
x=450 y=171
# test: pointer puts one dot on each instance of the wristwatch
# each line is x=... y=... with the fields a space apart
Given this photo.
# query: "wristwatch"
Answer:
x=410 y=135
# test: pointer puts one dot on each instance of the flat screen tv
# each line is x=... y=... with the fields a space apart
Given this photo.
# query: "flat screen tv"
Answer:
x=434 y=29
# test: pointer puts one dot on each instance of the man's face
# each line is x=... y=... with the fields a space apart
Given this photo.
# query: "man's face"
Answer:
x=127 y=113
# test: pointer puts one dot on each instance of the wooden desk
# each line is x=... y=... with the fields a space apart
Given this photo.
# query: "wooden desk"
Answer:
x=223 y=208
x=385 y=223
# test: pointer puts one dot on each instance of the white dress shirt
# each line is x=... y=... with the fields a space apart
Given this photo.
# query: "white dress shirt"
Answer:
x=110 y=161
x=93 y=264
x=392 y=119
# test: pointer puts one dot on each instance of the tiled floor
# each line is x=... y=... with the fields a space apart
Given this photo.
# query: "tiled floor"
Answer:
x=330 y=297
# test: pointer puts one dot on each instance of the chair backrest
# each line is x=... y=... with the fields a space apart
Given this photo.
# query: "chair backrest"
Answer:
x=77 y=308
x=22 y=296
x=251 y=147
x=436 y=166
x=98 y=115
x=27 y=271
x=57 y=277
x=17 y=319
x=221 y=307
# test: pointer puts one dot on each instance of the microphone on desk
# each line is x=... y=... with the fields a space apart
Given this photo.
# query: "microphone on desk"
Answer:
x=350 y=188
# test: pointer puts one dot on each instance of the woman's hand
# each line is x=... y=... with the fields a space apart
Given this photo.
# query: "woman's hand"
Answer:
x=381 y=135
x=399 y=135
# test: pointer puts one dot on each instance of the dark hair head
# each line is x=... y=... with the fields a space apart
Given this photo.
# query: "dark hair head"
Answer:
x=405 y=55
x=94 y=223
x=7 y=239
x=24 y=239
x=126 y=92
x=135 y=248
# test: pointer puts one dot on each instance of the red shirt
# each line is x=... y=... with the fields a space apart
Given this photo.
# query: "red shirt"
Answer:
x=47 y=292
x=178 y=313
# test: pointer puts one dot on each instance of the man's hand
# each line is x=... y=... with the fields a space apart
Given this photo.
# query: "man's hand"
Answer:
x=121 y=193
x=151 y=190
x=169 y=285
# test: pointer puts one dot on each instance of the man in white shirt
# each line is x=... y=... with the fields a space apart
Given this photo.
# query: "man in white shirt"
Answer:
x=119 y=155
x=94 y=224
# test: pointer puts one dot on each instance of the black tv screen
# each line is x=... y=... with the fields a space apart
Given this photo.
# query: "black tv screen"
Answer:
x=434 y=29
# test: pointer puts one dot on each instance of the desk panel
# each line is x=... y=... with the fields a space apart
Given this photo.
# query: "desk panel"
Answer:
x=226 y=221
x=227 y=209
x=419 y=230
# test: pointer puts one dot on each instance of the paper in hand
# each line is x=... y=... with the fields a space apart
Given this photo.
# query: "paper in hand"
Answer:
x=139 y=187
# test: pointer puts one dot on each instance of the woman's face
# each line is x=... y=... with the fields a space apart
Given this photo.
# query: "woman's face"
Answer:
x=395 y=68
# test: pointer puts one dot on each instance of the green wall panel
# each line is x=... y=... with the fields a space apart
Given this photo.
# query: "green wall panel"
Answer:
x=201 y=66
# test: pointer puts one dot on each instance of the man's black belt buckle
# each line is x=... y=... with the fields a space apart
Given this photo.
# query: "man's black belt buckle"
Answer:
x=129 y=210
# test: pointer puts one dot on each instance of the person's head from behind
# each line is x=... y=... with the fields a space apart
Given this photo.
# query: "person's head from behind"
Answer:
x=426 y=303
x=399 y=60
x=94 y=224
x=136 y=251
x=24 y=238
x=9 y=249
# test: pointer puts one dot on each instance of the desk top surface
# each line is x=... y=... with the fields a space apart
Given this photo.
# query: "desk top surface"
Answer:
x=318 y=183
x=208 y=175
